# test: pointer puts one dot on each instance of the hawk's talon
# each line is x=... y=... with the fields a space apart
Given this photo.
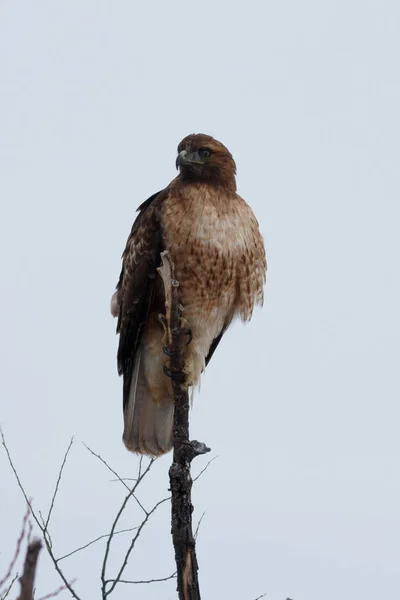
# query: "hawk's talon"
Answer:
x=163 y=321
x=187 y=331
x=172 y=374
x=167 y=351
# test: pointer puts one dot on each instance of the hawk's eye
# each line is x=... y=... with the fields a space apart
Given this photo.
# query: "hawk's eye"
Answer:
x=204 y=153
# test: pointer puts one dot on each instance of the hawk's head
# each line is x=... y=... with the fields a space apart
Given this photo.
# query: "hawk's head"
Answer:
x=202 y=158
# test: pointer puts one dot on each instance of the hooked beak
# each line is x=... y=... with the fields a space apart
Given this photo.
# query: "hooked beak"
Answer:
x=185 y=158
x=181 y=159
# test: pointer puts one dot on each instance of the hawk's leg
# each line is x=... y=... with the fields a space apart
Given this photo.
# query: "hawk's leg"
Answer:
x=185 y=331
x=173 y=374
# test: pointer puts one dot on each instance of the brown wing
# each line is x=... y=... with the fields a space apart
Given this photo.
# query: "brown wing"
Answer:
x=136 y=287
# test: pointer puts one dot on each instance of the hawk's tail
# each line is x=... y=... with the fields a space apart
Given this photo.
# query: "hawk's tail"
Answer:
x=147 y=424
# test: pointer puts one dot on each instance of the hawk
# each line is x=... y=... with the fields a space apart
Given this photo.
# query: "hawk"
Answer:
x=215 y=243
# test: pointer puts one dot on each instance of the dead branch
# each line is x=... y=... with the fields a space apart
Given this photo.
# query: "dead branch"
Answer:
x=27 y=580
x=184 y=449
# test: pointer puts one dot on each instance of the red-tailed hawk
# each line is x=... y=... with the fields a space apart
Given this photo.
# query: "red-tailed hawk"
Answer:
x=215 y=243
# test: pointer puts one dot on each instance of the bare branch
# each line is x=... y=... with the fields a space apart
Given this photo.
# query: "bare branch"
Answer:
x=263 y=596
x=138 y=480
x=101 y=537
x=107 y=465
x=172 y=576
x=41 y=525
x=196 y=533
x=184 y=449
x=141 y=475
x=124 y=479
x=41 y=518
x=57 y=591
x=140 y=466
x=67 y=584
x=27 y=580
x=8 y=590
x=204 y=470
x=57 y=485
x=3 y=441
x=131 y=547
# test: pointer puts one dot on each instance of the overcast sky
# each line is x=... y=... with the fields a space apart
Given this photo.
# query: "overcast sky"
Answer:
x=302 y=405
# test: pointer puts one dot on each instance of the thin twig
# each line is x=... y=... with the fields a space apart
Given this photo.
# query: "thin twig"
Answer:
x=67 y=584
x=107 y=465
x=58 y=484
x=124 y=479
x=139 y=478
x=198 y=525
x=94 y=541
x=46 y=536
x=56 y=592
x=263 y=596
x=205 y=469
x=140 y=466
x=173 y=576
x=19 y=481
x=41 y=518
x=131 y=547
x=8 y=590
x=141 y=475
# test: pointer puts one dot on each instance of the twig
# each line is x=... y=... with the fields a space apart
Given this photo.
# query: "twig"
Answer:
x=57 y=485
x=263 y=596
x=184 y=449
x=94 y=541
x=3 y=441
x=137 y=480
x=8 y=590
x=196 y=533
x=56 y=592
x=27 y=579
x=41 y=525
x=67 y=584
x=132 y=545
x=204 y=470
x=101 y=459
x=141 y=475
x=140 y=466
x=145 y=580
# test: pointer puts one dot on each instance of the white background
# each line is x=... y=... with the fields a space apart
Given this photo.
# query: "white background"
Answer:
x=302 y=405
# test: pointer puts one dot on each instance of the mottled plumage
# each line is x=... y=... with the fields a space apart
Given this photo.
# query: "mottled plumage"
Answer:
x=219 y=256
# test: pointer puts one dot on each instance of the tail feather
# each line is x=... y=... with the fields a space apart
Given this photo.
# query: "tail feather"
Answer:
x=147 y=424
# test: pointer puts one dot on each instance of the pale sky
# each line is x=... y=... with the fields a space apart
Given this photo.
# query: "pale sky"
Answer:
x=302 y=405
